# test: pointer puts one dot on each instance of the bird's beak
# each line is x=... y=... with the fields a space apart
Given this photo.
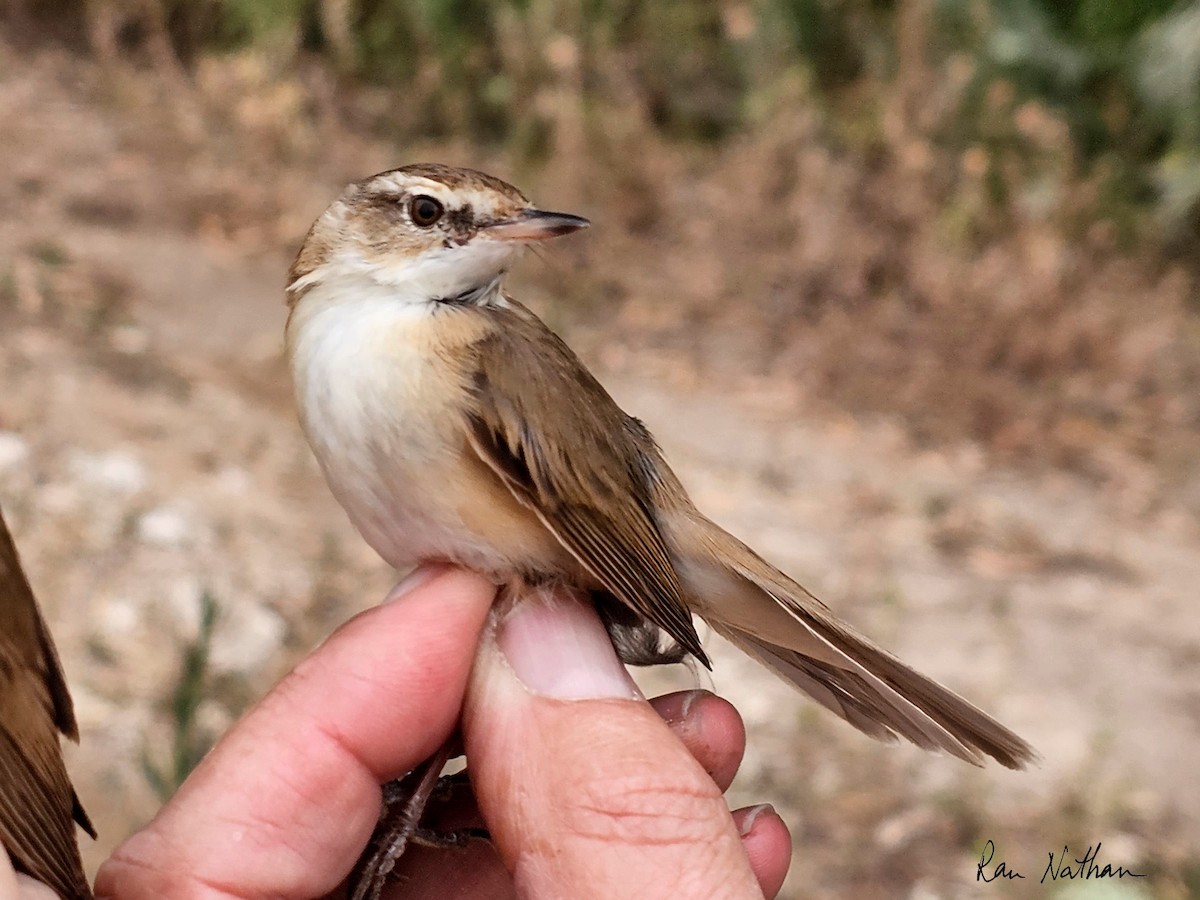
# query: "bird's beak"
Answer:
x=534 y=225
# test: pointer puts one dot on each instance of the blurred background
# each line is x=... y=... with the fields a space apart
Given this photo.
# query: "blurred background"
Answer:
x=908 y=288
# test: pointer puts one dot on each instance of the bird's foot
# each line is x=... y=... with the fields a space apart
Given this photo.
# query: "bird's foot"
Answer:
x=400 y=824
x=448 y=840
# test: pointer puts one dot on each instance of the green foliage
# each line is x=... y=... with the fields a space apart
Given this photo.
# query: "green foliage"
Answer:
x=1123 y=75
x=242 y=22
x=455 y=41
x=49 y=254
x=188 y=743
x=1166 y=75
x=689 y=72
x=837 y=39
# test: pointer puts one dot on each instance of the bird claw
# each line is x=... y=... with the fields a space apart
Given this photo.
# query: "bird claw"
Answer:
x=449 y=840
x=404 y=802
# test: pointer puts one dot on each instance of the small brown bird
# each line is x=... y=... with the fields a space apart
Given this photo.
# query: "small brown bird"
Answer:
x=452 y=424
x=38 y=806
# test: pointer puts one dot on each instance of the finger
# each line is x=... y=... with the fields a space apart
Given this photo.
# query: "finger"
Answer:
x=768 y=843
x=479 y=872
x=711 y=729
x=429 y=873
x=585 y=790
x=32 y=889
x=709 y=726
x=475 y=871
x=18 y=886
x=285 y=802
x=8 y=878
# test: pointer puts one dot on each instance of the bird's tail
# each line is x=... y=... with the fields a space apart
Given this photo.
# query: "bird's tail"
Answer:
x=776 y=621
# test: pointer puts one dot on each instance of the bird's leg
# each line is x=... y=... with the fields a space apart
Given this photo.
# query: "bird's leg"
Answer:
x=449 y=840
x=405 y=800
x=443 y=792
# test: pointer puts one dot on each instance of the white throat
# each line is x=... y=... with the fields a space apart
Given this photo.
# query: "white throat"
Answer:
x=471 y=271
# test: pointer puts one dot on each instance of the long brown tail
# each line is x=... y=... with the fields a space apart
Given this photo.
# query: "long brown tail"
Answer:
x=776 y=621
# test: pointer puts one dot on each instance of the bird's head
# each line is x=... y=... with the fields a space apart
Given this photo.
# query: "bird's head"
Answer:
x=424 y=233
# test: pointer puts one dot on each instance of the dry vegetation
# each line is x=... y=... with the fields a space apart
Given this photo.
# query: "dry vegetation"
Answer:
x=938 y=371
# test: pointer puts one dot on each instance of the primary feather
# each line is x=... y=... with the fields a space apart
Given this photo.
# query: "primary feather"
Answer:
x=38 y=806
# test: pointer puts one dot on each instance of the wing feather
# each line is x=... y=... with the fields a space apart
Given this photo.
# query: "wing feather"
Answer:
x=38 y=807
x=597 y=500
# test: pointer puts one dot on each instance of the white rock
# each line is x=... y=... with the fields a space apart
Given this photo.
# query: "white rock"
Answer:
x=164 y=527
x=115 y=471
x=897 y=831
x=248 y=636
x=14 y=450
x=213 y=717
x=182 y=600
x=119 y=616
x=923 y=890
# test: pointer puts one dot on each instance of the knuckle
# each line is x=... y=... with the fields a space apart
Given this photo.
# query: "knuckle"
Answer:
x=645 y=810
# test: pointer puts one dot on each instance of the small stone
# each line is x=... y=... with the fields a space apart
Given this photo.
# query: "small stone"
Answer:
x=14 y=450
x=164 y=527
x=248 y=637
x=116 y=471
x=118 y=617
x=183 y=601
x=898 y=831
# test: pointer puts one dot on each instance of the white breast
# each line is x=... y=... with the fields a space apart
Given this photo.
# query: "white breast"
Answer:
x=382 y=423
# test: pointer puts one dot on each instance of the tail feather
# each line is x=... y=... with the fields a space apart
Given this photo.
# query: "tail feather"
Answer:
x=854 y=693
x=793 y=670
x=775 y=620
x=964 y=720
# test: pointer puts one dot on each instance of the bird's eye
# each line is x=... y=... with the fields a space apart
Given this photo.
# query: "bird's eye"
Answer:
x=425 y=210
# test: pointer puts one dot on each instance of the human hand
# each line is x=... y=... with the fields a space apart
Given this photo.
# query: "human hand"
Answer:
x=583 y=797
x=16 y=886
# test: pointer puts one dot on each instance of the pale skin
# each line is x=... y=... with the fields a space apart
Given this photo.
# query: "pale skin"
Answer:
x=606 y=796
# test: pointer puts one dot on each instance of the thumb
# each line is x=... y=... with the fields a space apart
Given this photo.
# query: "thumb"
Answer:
x=584 y=788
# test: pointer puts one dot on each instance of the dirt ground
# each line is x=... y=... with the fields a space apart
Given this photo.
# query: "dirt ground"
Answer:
x=149 y=455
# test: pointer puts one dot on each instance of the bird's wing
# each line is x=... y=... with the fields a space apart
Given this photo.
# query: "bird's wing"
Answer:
x=38 y=806
x=533 y=400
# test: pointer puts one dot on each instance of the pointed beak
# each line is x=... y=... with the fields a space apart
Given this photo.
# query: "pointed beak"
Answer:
x=534 y=225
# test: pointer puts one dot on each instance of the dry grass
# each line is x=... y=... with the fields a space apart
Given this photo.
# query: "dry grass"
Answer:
x=975 y=291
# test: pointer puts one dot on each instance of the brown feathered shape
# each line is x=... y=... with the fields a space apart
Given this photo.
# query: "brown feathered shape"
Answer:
x=38 y=806
x=623 y=515
x=603 y=514
x=453 y=424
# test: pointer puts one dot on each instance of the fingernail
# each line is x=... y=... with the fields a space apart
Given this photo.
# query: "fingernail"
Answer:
x=421 y=575
x=681 y=713
x=558 y=648
x=753 y=816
